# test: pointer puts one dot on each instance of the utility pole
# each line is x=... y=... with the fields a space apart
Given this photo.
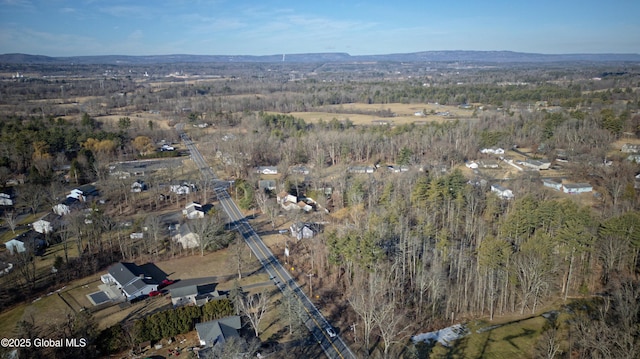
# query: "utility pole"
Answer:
x=310 y=275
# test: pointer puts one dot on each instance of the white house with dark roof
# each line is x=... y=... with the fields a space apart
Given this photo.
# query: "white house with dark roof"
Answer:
x=46 y=224
x=193 y=210
x=84 y=192
x=130 y=279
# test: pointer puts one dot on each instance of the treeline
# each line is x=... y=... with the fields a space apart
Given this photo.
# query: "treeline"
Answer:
x=164 y=324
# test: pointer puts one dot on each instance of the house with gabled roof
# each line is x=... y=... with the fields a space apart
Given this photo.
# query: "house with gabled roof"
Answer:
x=186 y=237
x=502 y=192
x=132 y=280
x=46 y=224
x=194 y=294
x=84 y=192
x=193 y=210
x=301 y=230
x=66 y=206
x=552 y=183
x=218 y=331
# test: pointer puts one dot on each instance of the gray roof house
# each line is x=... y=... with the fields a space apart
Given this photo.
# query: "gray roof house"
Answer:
x=552 y=183
x=194 y=294
x=186 y=237
x=130 y=279
x=218 y=331
x=302 y=230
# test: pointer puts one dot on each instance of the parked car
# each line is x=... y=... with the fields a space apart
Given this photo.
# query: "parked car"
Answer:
x=331 y=332
x=155 y=293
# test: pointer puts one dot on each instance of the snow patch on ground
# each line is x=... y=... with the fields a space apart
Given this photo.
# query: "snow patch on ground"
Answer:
x=443 y=336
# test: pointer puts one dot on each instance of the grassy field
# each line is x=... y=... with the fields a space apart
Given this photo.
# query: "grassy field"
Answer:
x=404 y=113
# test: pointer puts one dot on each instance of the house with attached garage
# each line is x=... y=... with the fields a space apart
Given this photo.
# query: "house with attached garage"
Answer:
x=132 y=280
x=194 y=294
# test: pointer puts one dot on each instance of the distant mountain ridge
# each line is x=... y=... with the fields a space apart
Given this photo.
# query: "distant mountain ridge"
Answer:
x=423 y=56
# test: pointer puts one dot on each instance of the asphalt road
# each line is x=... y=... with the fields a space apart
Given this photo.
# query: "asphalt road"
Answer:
x=334 y=347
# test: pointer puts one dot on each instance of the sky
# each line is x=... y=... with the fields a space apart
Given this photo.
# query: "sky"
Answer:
x=267 y=27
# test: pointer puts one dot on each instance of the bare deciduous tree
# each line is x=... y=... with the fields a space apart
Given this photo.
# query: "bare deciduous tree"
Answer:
x=254 y=307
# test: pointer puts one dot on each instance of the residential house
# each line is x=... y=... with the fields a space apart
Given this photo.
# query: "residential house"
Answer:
x=218 y=331
x=287 y=201
x=634 y=158
x=637 y=182
x=267 y=185
x=138 y=186
x=302 y=230
x=183 y=188
x=194 y=294
x=193 y=210
x=552 y=183
x=490 y=164
x=5 y=200
x=186 y=237
x=267 y=170
x=46 y=224
x=15 y=245
x=493 y=151
x=132 y=280
x=630 y=148
x=536 y=164
x=299 y=170
x=66 y=206
x=30 y=240
x=361 y=169
x=84 y=192
x=574 y=188
x=502 y=192
x=398 y=169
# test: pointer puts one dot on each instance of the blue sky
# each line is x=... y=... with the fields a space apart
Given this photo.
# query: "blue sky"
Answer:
x=240 y=27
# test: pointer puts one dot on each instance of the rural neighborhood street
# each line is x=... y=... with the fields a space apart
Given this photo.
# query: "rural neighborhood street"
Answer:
x=334 y=347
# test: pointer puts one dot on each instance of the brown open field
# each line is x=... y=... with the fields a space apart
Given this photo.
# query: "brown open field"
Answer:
x=404 y=113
